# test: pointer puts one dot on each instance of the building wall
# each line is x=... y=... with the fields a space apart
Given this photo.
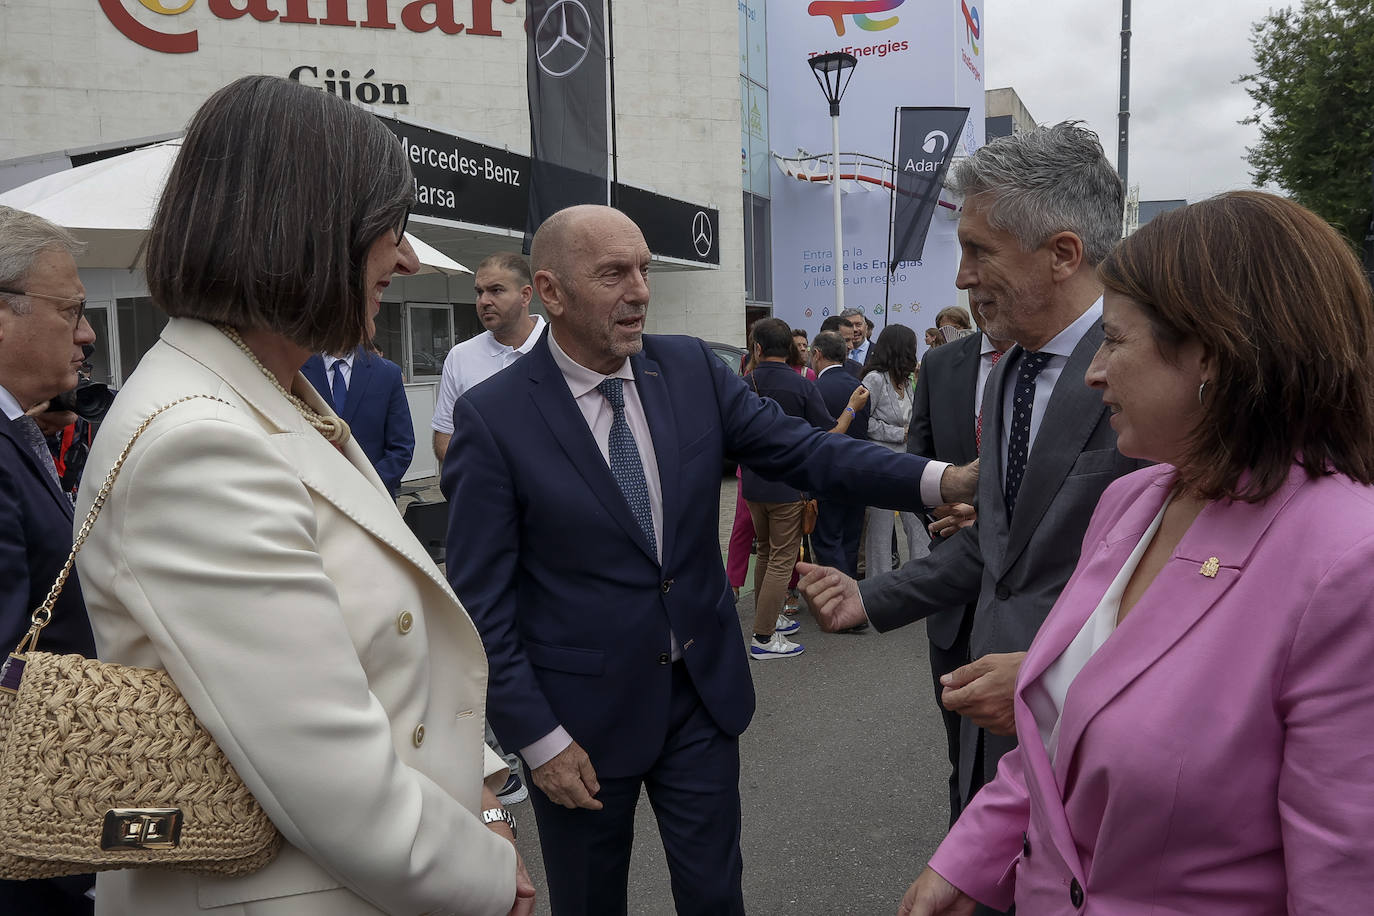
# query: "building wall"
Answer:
x=69 y=78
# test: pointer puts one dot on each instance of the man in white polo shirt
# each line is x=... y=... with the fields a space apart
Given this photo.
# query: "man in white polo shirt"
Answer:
x=504 y=290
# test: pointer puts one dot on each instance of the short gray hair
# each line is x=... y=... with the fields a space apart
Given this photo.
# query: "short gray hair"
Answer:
x=1047 y=180
x=23 y=237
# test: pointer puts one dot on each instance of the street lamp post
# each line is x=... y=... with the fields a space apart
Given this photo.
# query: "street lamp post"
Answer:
x=833 y=72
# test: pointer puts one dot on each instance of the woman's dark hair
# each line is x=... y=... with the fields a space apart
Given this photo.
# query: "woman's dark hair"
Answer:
x=774 y=338
x=1278 y=301
x=270 y=209
x=894 y=353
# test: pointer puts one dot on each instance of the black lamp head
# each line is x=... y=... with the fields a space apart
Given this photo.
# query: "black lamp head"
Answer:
x=833 y=72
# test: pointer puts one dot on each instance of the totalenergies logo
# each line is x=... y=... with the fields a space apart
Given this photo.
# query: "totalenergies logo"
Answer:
x=973 y=25
x=836 y=10
x=416 y=16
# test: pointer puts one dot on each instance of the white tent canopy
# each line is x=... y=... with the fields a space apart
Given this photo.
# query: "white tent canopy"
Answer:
x=109 y=205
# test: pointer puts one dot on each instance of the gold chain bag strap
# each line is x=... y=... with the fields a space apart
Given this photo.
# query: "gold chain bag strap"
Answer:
x=104 y=766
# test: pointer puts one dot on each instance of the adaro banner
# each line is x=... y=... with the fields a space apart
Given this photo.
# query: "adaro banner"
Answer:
x=910 y=53
x=923 y=143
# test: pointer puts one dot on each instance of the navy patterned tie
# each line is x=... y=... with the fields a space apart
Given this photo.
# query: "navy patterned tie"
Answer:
x=626 y=467
x=339 y=389
x=33 y=438
x=1018 y=436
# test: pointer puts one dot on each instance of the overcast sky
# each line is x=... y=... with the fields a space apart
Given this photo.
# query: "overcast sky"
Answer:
x=1063 y=59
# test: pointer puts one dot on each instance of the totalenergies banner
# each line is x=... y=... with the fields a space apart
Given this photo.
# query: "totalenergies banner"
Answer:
x=910 y=53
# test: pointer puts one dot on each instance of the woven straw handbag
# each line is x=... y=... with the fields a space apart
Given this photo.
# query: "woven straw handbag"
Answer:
x=104 y=766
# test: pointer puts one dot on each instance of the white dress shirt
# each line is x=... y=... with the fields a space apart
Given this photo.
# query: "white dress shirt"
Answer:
x=471 y=362
x=596 y=410
x=345 y=364
x=1060 y=349
x=1046 y=695
x=10 y=404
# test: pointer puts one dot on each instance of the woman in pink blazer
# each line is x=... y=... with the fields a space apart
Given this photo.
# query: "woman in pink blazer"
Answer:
x=1196 y=715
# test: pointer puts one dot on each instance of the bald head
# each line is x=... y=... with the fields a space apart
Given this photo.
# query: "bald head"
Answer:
x=566 y=235
x=591 y=270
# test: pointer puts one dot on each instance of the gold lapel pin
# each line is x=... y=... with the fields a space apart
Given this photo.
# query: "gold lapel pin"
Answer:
x=1209 y=569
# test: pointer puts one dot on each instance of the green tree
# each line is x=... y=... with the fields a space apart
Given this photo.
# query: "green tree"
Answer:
x=1314 y=103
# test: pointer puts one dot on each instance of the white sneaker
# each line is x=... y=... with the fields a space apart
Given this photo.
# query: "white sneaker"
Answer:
x=786 y=624
x=777 y=647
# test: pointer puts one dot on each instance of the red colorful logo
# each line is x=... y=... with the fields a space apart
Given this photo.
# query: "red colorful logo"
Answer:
x=836 y=10
x=973 y=25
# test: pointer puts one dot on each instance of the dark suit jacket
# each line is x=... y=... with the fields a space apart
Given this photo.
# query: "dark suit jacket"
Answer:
x=574 y=608
x=1014 y=569
x=376 y=411
x=35 y=538
x=836 y=384
x=942 y=427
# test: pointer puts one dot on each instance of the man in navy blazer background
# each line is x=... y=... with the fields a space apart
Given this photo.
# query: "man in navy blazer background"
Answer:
x=585 y=547
x=374 y=406
x=838 y=524
x=42 y=331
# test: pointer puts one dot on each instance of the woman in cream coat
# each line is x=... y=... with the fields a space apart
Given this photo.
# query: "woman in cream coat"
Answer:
x=264 y=566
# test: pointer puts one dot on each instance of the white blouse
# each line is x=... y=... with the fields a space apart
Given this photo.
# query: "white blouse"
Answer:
x=1046 y=696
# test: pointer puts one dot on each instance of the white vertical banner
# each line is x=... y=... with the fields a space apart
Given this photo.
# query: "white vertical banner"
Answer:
x=910 y=53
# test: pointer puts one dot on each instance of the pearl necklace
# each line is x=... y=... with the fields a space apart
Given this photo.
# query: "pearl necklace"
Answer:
x=332 y=428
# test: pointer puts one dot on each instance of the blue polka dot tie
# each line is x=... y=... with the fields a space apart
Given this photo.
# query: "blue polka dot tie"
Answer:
x=626 y=467
x=1018 y=436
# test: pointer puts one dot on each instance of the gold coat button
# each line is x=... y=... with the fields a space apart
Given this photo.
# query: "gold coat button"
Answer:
x=404 y=622
x=419 y=736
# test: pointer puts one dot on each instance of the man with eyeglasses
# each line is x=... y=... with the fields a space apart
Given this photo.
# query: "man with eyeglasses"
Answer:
x=42 y=331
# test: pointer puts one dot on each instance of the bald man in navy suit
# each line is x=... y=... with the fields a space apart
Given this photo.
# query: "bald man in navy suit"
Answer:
x=584 y=485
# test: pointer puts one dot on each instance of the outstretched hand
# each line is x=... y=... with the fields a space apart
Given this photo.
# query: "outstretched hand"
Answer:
x=950 y=518
x=832 y=596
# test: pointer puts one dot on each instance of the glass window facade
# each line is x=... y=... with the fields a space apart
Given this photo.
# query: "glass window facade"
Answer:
x=756 y=160
x=431 y=337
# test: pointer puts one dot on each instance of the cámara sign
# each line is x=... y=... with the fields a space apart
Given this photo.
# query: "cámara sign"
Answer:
x=414 y=16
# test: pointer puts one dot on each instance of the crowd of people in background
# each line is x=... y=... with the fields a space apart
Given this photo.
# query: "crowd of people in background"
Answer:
x=1135 y=484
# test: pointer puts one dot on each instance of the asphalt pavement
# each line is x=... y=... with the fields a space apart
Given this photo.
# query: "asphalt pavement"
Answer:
x=843 y=777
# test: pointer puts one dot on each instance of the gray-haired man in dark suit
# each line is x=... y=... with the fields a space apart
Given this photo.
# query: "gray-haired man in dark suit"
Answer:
x=1048 y=448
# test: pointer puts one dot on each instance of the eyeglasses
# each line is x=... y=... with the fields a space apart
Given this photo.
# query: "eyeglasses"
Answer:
x=73 y=313
x=402 y=223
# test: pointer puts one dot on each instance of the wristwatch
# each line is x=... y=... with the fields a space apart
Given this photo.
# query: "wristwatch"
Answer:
x=492 y=815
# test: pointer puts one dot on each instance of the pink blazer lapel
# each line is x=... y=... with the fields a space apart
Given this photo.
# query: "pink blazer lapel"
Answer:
x=1206 y=563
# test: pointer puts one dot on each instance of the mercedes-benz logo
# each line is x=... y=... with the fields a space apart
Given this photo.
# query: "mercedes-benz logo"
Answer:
x=563 y=38
x=701 y=233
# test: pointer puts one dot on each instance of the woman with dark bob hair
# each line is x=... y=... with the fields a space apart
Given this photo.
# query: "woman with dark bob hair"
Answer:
x=1195 y=715
x=888 y=378
x=249 y=549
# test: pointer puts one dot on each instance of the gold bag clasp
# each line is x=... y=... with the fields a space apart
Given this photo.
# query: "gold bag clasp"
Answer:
x=141 y=828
